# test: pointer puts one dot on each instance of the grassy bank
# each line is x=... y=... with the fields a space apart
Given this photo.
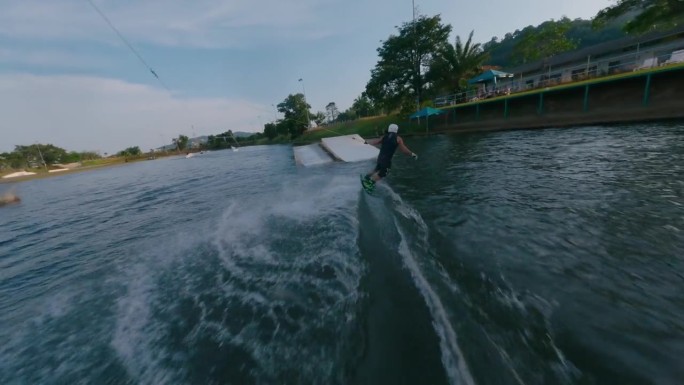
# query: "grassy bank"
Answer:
x=85 y=166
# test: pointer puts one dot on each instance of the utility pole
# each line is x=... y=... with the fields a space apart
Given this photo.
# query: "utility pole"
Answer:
x=41 y=156
x=306 y=107
x=415 y=47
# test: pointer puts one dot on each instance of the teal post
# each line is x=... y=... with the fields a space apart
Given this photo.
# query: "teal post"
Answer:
x=540 y=109
x=647 y=90
x=585 y=107
x=506 y=108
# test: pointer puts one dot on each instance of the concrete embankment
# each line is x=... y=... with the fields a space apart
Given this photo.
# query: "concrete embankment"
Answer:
x=635 y=97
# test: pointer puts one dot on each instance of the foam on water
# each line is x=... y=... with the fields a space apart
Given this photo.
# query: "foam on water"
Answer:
x=136 y=334
x=437 y=286
x=57 y=342
x=266 y=294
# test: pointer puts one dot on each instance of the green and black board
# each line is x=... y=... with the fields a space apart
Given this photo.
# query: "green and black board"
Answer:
x=367 y=184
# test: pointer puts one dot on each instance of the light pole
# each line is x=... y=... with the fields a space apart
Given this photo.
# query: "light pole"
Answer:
x=306 y=106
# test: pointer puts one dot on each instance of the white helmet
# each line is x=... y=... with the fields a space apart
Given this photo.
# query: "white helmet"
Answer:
x=393 y=128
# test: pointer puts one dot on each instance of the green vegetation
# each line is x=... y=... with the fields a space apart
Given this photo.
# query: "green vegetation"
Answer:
x=362 y=107
x=553 y=36
x=549 y=39
x=398 y=79
x=181 y=142
x=41 y=156
x=297 y=116
x=130 y=151
x=228 y=139
x=648 y=15
x=451 y=69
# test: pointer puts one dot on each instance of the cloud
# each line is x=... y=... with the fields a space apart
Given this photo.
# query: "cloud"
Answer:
x=199 y=23
x=100 y=114
x=52 y=58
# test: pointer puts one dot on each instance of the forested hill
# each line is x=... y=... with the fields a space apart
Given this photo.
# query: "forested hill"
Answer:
x=550 y=38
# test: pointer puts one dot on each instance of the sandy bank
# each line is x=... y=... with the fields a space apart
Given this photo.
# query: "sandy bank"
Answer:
x=18 y=174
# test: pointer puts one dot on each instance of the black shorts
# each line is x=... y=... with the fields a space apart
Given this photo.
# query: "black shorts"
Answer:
x=383 y=168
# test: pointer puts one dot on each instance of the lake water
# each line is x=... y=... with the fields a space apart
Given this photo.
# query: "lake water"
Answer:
x=525 y=257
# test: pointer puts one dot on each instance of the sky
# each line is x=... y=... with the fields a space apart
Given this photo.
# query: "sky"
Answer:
x=66 y=78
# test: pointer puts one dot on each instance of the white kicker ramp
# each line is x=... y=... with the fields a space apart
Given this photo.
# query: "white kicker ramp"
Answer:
x=349 y=148
x=311 y=155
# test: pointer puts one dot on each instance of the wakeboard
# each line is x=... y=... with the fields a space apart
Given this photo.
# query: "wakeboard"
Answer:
x=367 y=184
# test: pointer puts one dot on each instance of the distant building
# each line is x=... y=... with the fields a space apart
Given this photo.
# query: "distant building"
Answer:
x=621 y=55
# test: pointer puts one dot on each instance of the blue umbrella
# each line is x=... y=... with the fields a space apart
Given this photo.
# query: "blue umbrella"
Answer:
x=426 y=112
x=489 y=76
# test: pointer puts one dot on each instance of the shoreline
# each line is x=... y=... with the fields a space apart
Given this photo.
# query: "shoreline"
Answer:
x=46 y=174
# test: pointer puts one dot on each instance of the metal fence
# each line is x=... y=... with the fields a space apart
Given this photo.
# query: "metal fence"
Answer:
x=669 y=54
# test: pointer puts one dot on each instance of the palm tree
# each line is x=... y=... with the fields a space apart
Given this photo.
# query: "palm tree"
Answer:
x=452 y=67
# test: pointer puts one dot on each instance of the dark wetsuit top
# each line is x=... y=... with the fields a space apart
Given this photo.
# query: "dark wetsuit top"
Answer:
x=387 y=150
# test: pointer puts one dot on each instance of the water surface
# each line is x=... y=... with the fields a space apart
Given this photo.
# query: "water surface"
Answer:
x=521 y=257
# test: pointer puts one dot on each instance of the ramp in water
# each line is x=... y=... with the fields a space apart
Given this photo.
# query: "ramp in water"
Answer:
x=311 y=155
x=349 y=148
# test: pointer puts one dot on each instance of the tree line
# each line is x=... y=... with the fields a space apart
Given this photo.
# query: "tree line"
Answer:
x=42 y=156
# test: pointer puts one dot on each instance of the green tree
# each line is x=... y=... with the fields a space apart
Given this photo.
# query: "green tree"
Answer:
x=455 y=64
x=223 y=140
x=283 y=127
x=318 y=117
x=43 y=154
x=14 y=160
x=71 y=157
x=295 y=111
x=647 y=14
x=130 y=151
x=347 y=115
x=181 y=142
x=399 y=74
x=270 y=130
x=581 y=31
x=547 y=40
x=363 y=106
x=213 y=142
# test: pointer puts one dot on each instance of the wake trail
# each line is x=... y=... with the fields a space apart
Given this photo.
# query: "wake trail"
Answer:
x=453 y=359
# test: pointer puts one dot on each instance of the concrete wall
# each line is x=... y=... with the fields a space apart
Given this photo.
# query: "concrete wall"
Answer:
x=642 y=96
